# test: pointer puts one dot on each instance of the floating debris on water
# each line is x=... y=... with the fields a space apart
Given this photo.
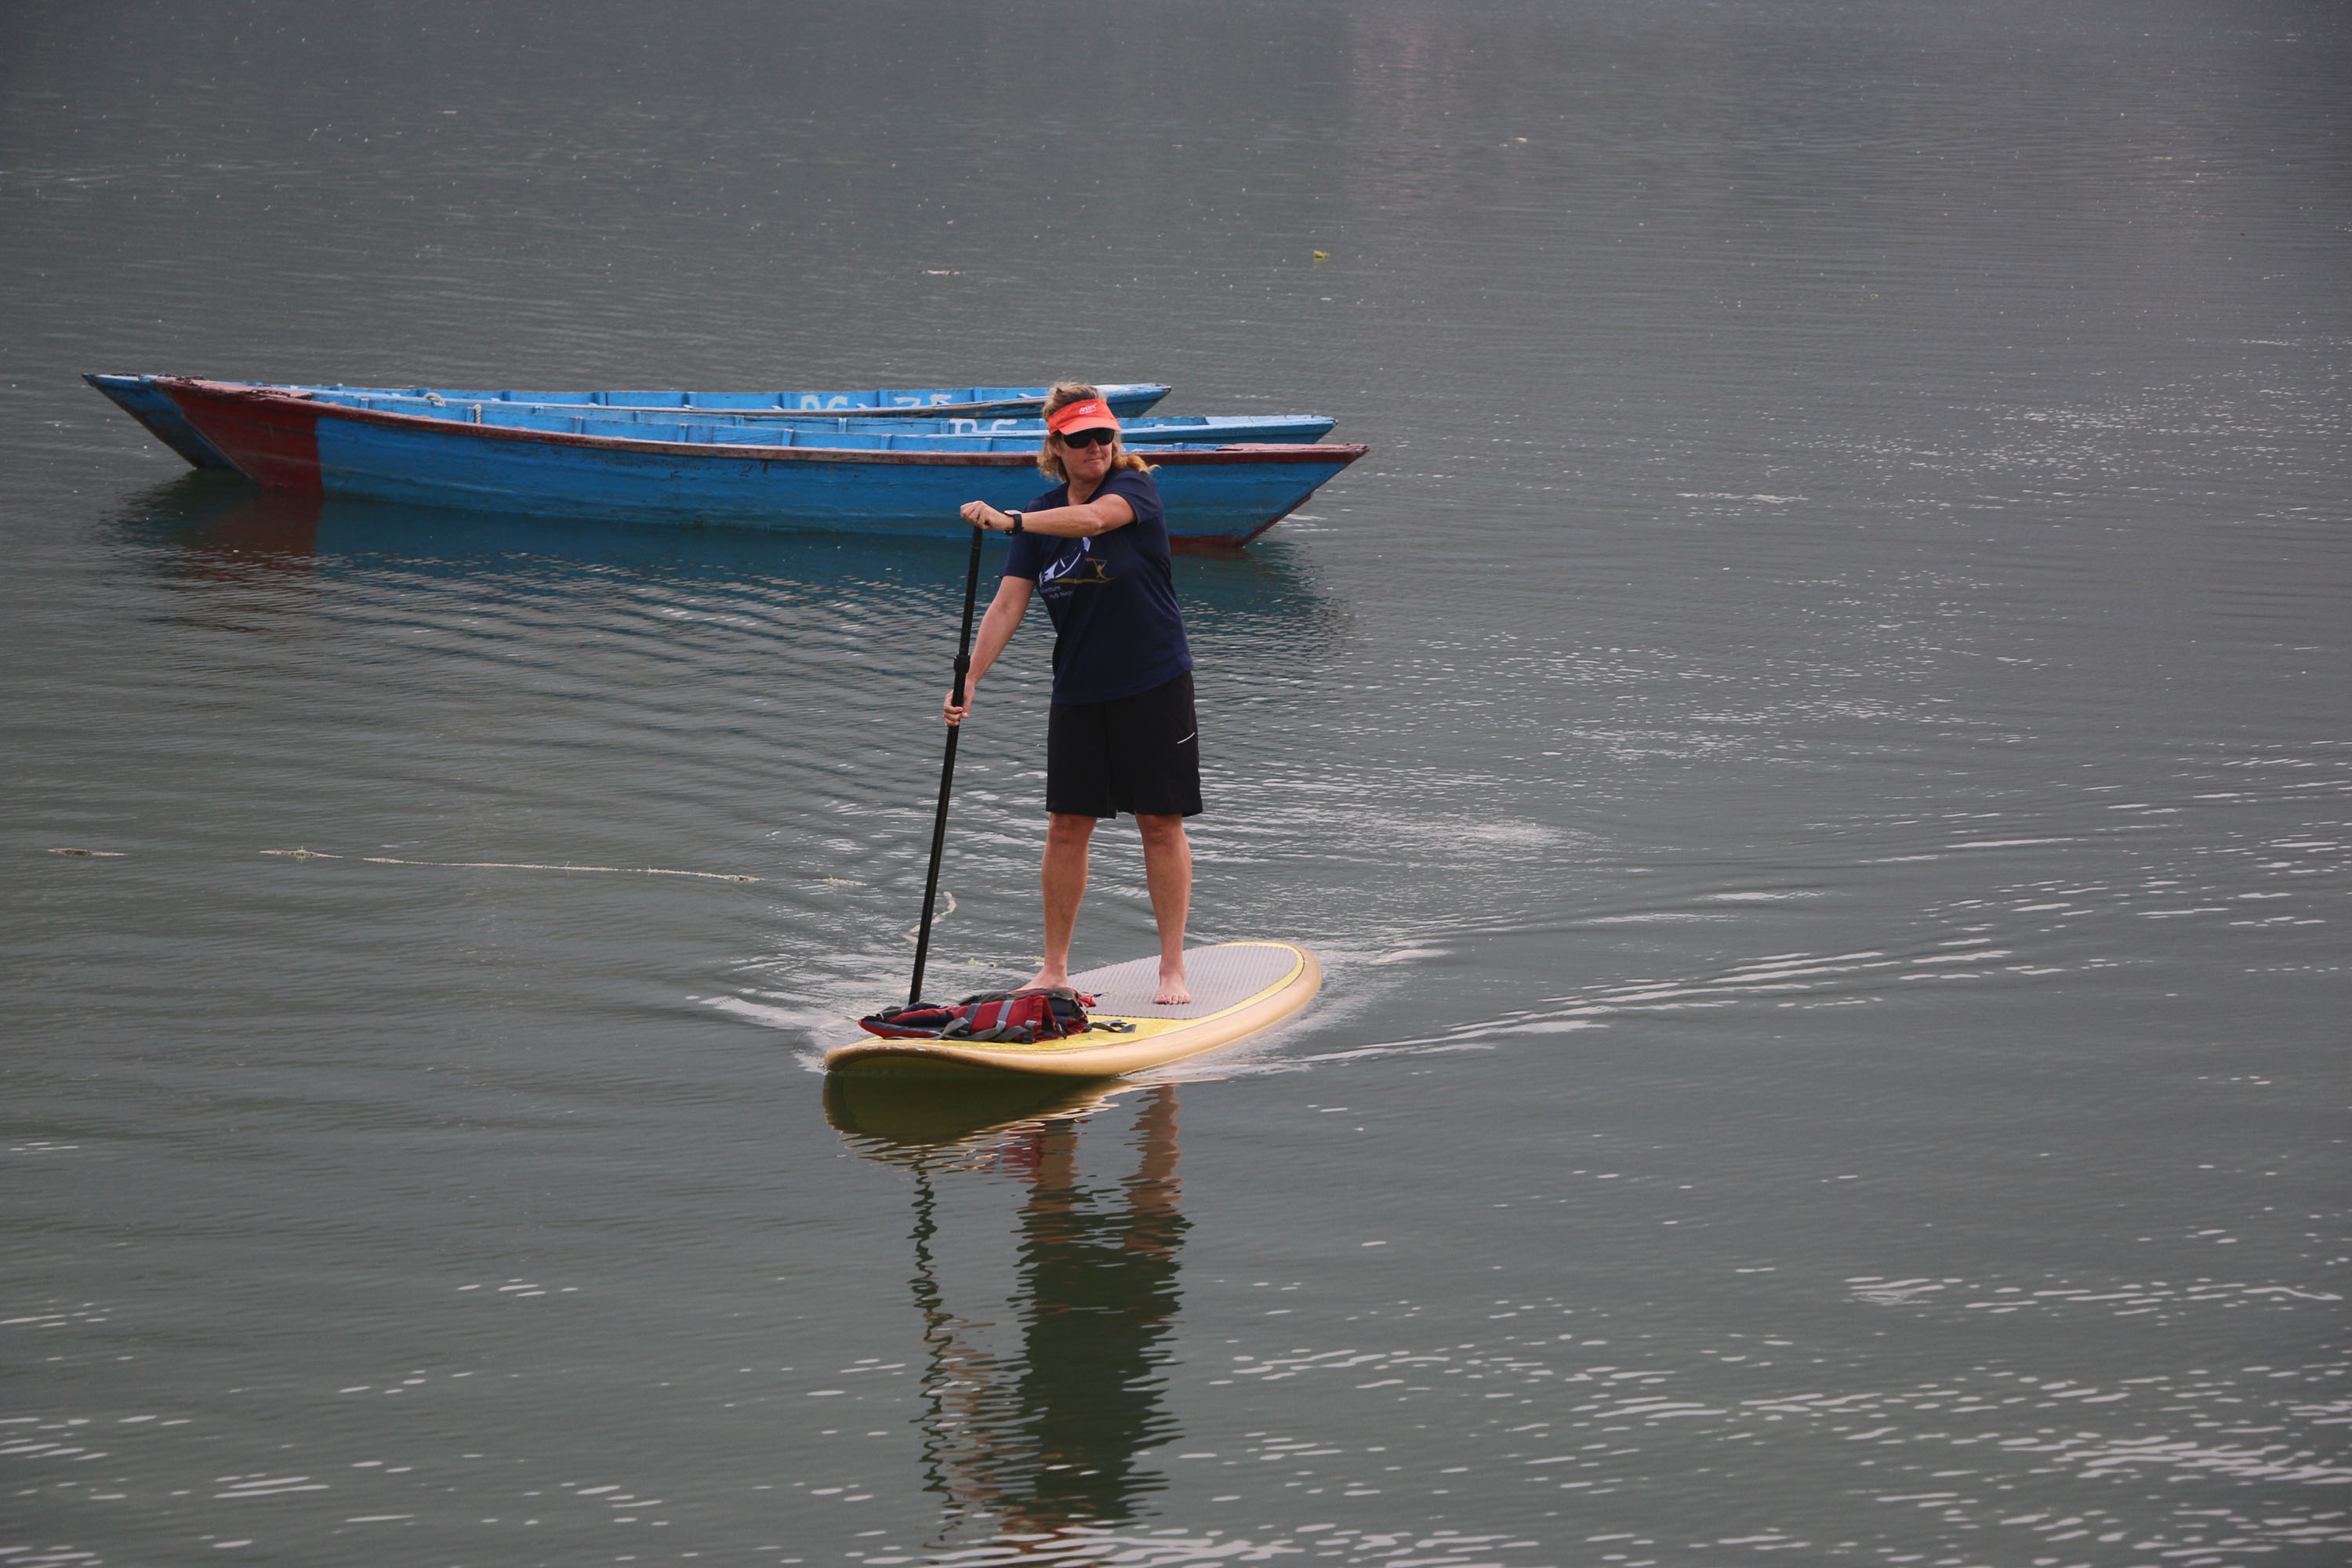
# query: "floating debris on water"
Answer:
x=512 y=866
x=914 y=932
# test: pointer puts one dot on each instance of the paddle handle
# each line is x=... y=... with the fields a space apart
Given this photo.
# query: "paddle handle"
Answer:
x=947 y=774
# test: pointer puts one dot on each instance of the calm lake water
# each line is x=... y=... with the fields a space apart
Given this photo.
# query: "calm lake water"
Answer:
x=1815 y=751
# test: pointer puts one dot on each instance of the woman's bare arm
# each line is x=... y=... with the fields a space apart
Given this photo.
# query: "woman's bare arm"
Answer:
x=1098 y=516
x=996 y=629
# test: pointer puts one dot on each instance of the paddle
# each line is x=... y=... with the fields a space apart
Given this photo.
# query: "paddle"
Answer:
x=947 y=774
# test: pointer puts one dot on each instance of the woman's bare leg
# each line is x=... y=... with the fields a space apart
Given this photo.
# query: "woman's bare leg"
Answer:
x=1064 y=881
x=1167 y=872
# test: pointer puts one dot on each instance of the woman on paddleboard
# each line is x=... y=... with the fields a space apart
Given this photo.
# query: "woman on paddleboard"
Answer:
x=1122 y=736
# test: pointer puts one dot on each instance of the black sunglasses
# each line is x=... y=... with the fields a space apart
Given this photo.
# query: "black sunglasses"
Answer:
x=1096 y=437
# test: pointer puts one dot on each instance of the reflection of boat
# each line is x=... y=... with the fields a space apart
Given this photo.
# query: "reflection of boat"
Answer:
x=1028 y=1440
x=213 y=519
x=711 y=474
x=1241 y=598
x=215 y=528
x=139 y=396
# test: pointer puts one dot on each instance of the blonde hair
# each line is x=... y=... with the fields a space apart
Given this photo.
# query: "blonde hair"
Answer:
x=1049 y=461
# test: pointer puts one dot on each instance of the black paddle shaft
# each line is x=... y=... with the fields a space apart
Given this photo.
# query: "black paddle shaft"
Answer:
x=947 y=774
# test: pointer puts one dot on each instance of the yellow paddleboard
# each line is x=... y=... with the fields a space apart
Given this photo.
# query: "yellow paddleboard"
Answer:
x=1238 y=988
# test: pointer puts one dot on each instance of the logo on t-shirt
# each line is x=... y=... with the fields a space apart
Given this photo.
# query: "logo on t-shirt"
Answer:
x=1078 y=568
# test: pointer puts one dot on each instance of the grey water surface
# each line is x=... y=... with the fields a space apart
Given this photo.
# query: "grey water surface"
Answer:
x=1814 y=752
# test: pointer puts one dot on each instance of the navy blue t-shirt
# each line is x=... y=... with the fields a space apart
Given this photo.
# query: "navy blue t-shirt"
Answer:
x=1116 y=631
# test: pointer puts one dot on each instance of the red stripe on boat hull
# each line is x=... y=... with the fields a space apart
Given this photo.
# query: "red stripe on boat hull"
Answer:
x=274 y=441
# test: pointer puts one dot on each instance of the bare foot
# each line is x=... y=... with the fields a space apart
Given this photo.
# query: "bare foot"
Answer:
x=1173 y=992
x=1052 y=974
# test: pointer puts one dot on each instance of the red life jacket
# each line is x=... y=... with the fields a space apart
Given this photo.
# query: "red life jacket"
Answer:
x=1019 y=1017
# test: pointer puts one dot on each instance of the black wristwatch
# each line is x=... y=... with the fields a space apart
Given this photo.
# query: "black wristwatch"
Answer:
x=1016 y=522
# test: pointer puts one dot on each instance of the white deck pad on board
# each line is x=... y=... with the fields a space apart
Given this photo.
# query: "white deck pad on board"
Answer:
x=1218 y=977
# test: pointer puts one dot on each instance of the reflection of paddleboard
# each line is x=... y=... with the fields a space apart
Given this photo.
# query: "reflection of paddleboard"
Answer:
x=899 y=1117
x=1238 y=988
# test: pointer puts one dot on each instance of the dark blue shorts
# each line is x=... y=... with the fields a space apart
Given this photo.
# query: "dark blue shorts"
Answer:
x=1140 y=754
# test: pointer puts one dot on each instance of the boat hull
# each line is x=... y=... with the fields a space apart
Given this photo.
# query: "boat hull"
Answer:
x=141 y=397
x=1126 y=398
x=1222 y=495
x=825 y=430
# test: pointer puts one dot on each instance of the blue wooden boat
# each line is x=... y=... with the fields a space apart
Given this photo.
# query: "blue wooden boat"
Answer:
x=1190 y=429
x=139 y=396
x=544 y=462
x=924 y=403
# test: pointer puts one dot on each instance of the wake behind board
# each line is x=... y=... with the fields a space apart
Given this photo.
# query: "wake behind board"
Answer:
x=1238 y=988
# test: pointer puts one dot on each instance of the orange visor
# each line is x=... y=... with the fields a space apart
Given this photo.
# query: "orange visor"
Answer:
x=1093 y=413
